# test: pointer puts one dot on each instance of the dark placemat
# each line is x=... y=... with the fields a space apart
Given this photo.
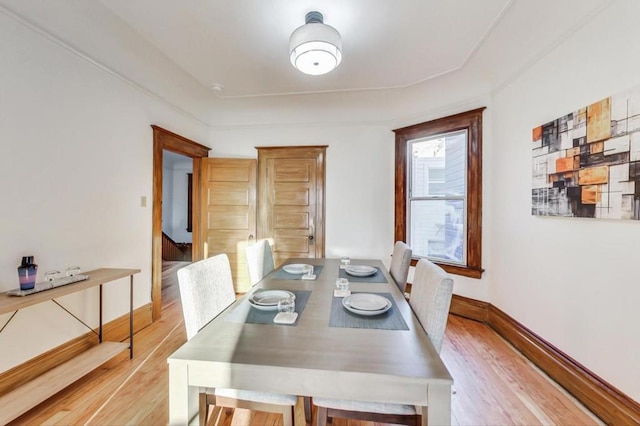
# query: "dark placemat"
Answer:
x=281 y=274
x=390 y=320
x=245 y=313
x=378 y=277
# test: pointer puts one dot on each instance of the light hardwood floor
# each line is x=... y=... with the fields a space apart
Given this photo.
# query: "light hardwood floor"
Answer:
x=493 y=384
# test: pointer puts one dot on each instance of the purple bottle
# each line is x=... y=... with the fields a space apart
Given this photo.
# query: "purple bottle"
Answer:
x=27 y=272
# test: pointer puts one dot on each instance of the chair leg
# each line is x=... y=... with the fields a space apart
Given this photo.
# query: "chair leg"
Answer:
x=307 y=409
x=287 y=416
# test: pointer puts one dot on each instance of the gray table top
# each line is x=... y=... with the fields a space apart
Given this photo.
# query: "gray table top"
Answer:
x=311 y=358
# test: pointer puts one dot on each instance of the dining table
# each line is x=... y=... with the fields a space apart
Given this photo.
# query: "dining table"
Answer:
x=329 y=351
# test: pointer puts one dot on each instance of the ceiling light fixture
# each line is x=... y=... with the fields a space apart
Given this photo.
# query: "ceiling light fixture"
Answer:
x=316 y=48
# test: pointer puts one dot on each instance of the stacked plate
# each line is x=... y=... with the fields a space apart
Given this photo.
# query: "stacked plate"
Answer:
x=295 y=268
x=366 y=304
x=360 y=270
x=267 y=300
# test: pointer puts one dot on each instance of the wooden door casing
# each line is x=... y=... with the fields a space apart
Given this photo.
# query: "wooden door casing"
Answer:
x=291 y=200
x=229 y=212
x=165 y=140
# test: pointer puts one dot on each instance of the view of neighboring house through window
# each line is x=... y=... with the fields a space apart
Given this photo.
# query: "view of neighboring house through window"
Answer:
x=438 y=200
x=437 y=196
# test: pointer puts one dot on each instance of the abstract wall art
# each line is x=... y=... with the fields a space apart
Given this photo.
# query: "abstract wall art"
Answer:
x=587 y=163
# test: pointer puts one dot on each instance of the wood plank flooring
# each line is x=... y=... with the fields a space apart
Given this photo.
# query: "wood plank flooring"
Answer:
x=493 y=384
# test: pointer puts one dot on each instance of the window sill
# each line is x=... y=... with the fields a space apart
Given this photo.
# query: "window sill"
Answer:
x=466 y=271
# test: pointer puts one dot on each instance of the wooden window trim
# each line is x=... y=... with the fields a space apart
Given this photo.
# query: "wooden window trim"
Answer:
x=472 y=122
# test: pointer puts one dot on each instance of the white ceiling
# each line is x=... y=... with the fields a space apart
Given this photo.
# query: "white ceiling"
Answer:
x=243 y=44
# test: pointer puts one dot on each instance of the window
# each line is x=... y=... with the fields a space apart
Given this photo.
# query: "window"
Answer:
x=436 y=197
x=438 y=202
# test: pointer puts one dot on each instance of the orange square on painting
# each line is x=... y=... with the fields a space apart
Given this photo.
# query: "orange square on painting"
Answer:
x=564 y=164
x=573 y=151
x=536 y=134
x=599 y=120
x=576 y=162
x=596 y=147
x=593 y=175
x=590 y=194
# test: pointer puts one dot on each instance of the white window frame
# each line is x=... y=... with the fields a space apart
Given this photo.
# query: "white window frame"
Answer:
x=462 y=197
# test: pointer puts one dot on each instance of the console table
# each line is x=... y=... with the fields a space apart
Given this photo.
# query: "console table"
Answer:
x=23 y=398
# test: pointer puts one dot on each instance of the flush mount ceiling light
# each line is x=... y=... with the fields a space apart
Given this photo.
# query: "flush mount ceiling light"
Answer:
x=315 y=48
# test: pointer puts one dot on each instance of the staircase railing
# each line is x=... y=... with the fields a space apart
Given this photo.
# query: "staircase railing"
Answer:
x=175 y=251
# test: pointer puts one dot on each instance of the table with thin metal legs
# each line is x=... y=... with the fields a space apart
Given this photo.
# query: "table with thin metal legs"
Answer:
x=21 y=399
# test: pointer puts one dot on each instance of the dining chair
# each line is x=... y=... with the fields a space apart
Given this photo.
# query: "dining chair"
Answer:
x=259 y=260
x=430 y=301
x=400 y=262
x=206 y=289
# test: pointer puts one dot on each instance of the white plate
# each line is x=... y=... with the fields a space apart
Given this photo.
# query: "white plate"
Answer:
x=368 y=302
x=295 y=268
x=267 y=300
x=360 y=270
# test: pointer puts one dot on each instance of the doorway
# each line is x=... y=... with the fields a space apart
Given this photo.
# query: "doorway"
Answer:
x=164 y=140
x=177 y=171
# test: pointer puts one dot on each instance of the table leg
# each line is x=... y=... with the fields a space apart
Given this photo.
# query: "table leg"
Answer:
x=439 y=410
x=183 y=399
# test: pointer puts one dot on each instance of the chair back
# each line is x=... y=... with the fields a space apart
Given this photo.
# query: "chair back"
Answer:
x=400 y=262
x=206 y=289
x=259 y=260
x=430 y=299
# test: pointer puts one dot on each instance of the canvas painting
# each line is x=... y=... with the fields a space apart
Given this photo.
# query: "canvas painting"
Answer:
x=587 y=163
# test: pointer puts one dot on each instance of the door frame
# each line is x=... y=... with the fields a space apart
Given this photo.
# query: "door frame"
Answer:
x=166 y=140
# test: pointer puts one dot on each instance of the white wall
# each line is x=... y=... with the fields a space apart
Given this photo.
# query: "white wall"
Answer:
x=359 y=179
x=572 y=281
x=174 y=200
x=360 y=171
x=75 y=160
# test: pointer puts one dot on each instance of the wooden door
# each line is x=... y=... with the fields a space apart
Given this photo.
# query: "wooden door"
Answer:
x=291 y=200
x=229 y=212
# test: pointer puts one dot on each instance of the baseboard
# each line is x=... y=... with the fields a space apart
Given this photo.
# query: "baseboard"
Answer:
x=604 y=400
x=469 y=308
x=116 y=330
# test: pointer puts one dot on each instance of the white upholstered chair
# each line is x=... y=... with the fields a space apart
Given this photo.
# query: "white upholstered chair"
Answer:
x=430 y=300
x=259 y=260
x=400 y=263
x=206 y=289
x=431 y=294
